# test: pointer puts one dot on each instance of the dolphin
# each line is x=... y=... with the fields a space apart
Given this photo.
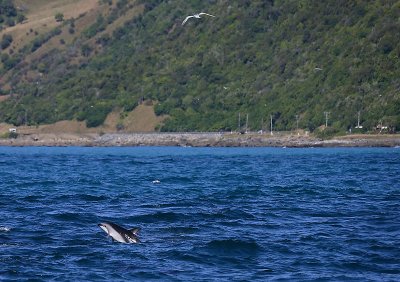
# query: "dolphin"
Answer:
x=120 y=234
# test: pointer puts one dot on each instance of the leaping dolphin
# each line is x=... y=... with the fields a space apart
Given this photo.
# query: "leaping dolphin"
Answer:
x=120 y=234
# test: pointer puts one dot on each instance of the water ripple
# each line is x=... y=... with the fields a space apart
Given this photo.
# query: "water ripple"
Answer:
x=254 y=214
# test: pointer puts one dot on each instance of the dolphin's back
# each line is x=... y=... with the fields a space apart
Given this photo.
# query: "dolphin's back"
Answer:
x=121 y=234
x=117 y=232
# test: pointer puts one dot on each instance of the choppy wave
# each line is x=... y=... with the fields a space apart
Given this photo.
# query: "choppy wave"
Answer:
x=233 y=215
x=233 y=247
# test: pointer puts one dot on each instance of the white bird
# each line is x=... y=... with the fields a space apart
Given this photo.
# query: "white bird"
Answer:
x=197 y=16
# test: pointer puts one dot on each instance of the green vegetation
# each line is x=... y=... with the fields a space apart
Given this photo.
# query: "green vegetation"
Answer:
x=9 y=135
x=59 y=17
x=6 y=41
x=41 y=39
x=12 y=135
x=9 y=15
x=283 y=58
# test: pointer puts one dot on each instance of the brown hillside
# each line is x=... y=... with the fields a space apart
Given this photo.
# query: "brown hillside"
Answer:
x=40 y=17
x=141 y=119
x=41 y=21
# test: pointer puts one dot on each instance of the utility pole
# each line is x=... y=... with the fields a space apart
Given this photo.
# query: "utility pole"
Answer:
x=358 y=120
x=326 y=118
x=297 y=122
x=271 y=125
x=247 y=121
x=239 y=123
x=262 y=125
x=25 y=114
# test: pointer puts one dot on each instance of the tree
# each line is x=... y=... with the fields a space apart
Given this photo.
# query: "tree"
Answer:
x=10 y=22
x=59 y=17
x=6 y=41
x=7 y=8
x=20 y=18
x=86 y=50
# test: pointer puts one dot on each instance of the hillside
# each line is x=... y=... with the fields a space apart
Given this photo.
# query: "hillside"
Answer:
x=289 y=60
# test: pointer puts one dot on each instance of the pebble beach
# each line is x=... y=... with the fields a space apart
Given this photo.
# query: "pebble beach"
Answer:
x=198 y=140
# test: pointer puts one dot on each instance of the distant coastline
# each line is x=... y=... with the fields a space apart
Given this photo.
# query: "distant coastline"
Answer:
x=198 y=140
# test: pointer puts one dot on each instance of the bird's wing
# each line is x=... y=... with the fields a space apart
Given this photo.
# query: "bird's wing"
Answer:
x=185 y=20
x=202 y=13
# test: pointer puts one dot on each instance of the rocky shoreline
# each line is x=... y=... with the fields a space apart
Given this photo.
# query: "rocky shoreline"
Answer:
x=198 y=140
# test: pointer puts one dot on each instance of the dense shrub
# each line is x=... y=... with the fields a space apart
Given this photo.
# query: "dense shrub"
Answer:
x=9 y=14
x=96 y=115
x=59 y=17
x=6 y=41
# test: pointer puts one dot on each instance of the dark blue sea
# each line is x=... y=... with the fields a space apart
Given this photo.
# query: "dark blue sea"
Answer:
x=217 y=214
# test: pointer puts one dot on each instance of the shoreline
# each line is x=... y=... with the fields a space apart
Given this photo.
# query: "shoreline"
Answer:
x=197 y=140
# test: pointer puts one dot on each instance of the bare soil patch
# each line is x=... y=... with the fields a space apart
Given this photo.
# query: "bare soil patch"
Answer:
x=4 y=97
x=40 y=17
x=141 y=119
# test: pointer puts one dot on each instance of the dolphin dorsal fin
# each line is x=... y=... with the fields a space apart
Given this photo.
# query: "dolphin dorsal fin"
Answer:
x=135 y=230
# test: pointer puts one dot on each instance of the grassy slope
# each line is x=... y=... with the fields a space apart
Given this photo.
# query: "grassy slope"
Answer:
x=40 y=17
x=141 y=119
x=286 y=59
x=40 y=20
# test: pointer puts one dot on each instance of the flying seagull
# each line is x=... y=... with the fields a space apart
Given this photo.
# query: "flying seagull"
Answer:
x=197 y=16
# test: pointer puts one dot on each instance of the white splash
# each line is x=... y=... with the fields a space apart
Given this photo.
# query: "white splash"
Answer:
x=5 y=228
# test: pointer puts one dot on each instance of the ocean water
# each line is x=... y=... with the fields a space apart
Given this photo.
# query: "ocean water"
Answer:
x=217 y=214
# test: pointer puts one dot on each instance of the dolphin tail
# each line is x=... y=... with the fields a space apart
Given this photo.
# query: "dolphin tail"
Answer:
x=135 y=230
